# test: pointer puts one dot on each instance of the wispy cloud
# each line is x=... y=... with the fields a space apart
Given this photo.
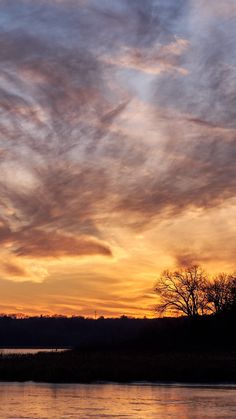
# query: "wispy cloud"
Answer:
x=114 y=116
x=153 y=61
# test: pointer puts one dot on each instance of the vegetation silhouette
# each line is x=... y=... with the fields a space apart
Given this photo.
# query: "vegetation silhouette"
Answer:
x=199 y=345
x=189 y=291
x=183 y=291
x=120 y=366
x=221 y=293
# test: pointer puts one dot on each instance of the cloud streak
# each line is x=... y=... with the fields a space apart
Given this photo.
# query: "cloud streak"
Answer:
x=114 y=116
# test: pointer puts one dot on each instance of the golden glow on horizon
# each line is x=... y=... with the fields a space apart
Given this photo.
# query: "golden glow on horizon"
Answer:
x=123 y=284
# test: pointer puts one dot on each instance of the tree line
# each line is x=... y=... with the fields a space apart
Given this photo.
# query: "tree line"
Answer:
x=190 y=291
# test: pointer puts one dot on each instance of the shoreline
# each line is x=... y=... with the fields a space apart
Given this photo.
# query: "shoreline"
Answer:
x=121 y=366
x=214 y=386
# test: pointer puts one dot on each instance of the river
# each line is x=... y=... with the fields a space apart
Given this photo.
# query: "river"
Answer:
x=62 y=401
x=28 y=351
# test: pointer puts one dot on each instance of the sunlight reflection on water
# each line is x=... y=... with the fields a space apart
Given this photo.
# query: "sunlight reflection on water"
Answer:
x=59 y=401
x=24 y=351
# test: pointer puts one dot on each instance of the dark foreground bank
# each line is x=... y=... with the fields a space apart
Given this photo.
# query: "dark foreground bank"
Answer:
x=119 y=366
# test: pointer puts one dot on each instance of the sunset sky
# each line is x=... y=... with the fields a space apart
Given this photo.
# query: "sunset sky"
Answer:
x=117 y=150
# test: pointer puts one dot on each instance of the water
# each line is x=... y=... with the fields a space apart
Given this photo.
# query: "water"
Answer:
x=57 y=401
x=19 y=351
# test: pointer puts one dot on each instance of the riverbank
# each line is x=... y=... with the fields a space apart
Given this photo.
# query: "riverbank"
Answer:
x=120 y=366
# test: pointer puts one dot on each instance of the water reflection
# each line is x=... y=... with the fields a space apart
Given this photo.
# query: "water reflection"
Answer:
x=43 y=401
x=21 y=351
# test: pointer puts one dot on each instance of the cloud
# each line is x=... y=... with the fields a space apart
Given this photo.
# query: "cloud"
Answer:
x=43 y=244
x=48 y=219
x=13 y=269
x=78 y=152
x=153 y=61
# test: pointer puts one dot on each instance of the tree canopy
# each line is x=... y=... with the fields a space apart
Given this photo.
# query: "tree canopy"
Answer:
x=190 y=292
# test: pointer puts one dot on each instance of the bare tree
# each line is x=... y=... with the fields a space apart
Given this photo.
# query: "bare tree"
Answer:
x=233 y=293
x=221 y=293
x=218 y=293
x=183 y=292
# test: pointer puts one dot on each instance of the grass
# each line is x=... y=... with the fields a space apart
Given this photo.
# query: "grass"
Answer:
x=120 y=366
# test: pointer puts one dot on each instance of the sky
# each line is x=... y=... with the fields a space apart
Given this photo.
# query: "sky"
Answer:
x=117 y=150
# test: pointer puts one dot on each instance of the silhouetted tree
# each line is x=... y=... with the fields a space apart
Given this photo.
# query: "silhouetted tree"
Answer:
x=220 y=293
x=183 y=292
x=233 y=294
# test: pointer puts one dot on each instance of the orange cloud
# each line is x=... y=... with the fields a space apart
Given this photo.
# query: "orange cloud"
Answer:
x=46 y=244
x=95 y=161
x=13 y=270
